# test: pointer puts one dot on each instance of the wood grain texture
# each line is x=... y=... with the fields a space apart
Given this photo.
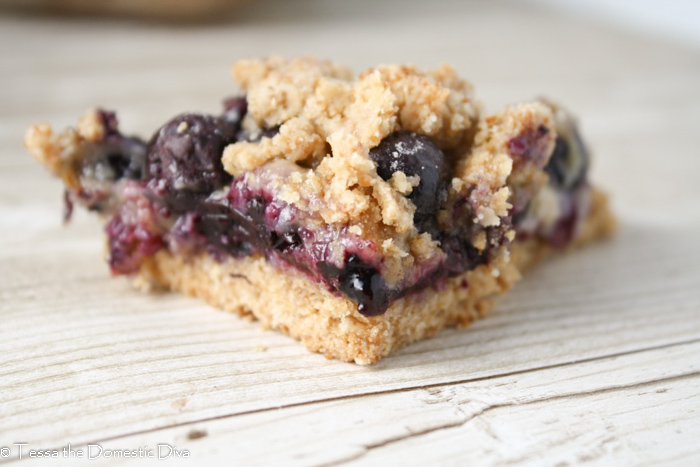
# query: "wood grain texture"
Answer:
x=591 y=359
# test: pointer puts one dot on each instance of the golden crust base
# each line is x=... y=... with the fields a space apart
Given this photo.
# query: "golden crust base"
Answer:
x=330 y=324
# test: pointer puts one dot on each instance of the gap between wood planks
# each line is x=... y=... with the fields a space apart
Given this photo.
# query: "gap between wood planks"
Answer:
x=435 y=385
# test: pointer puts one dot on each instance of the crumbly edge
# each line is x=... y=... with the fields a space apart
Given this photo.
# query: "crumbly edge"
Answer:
x=60 y=152
x=330 y=324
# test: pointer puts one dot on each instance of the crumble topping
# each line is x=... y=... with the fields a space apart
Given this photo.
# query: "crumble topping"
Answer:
x=487 y=173
x=321 y=112
x=329 y=122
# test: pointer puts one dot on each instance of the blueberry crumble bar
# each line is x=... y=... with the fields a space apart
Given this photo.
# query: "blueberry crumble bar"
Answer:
x=356 y=214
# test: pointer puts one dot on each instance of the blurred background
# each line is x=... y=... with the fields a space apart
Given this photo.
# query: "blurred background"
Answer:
x=674 y=18
x=625 y=67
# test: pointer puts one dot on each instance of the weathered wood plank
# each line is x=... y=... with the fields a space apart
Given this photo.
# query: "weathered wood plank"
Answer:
x=639 y=408
x=132 y=356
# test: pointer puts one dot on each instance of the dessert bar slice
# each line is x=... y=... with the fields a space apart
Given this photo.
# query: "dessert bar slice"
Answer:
x=354 y=214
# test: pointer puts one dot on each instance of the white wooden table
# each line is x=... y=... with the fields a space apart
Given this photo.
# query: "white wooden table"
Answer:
x=594 y=358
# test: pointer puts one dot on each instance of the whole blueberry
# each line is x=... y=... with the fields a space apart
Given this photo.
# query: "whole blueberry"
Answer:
x=415 y=154
x=124 y=157
x=568 y=164
x=360 y=282
x=184 y=156
x=235 y=108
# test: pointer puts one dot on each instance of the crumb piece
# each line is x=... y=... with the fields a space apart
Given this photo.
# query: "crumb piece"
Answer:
x=90 y=126
x=480 y=241
x=355 y=229
x=403 y=184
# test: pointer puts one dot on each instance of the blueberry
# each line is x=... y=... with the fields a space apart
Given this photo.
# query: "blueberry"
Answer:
x=360 y=282
x=115 y=156
x=184 y=157
x=415 y=154
x=235 y=108
x=126 y=157
x=461 y=254
x=568 y=164
x=114 y=159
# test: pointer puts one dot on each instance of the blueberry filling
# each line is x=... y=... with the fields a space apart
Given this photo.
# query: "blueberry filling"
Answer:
x=286 y=241
x=185 y=190
x=129 y=244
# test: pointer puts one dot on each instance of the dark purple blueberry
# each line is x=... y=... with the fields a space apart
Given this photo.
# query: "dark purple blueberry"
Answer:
x=569 y=162
x=415 y=154
x=123 y=155
x=360 y=282
x=235 y=109
x=184 y=158
x=461 y=254
x=236 y=231
x=118 y=164
x=126 y=159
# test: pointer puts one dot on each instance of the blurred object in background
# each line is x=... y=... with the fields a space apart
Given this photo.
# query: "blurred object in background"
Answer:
x=179 y=10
